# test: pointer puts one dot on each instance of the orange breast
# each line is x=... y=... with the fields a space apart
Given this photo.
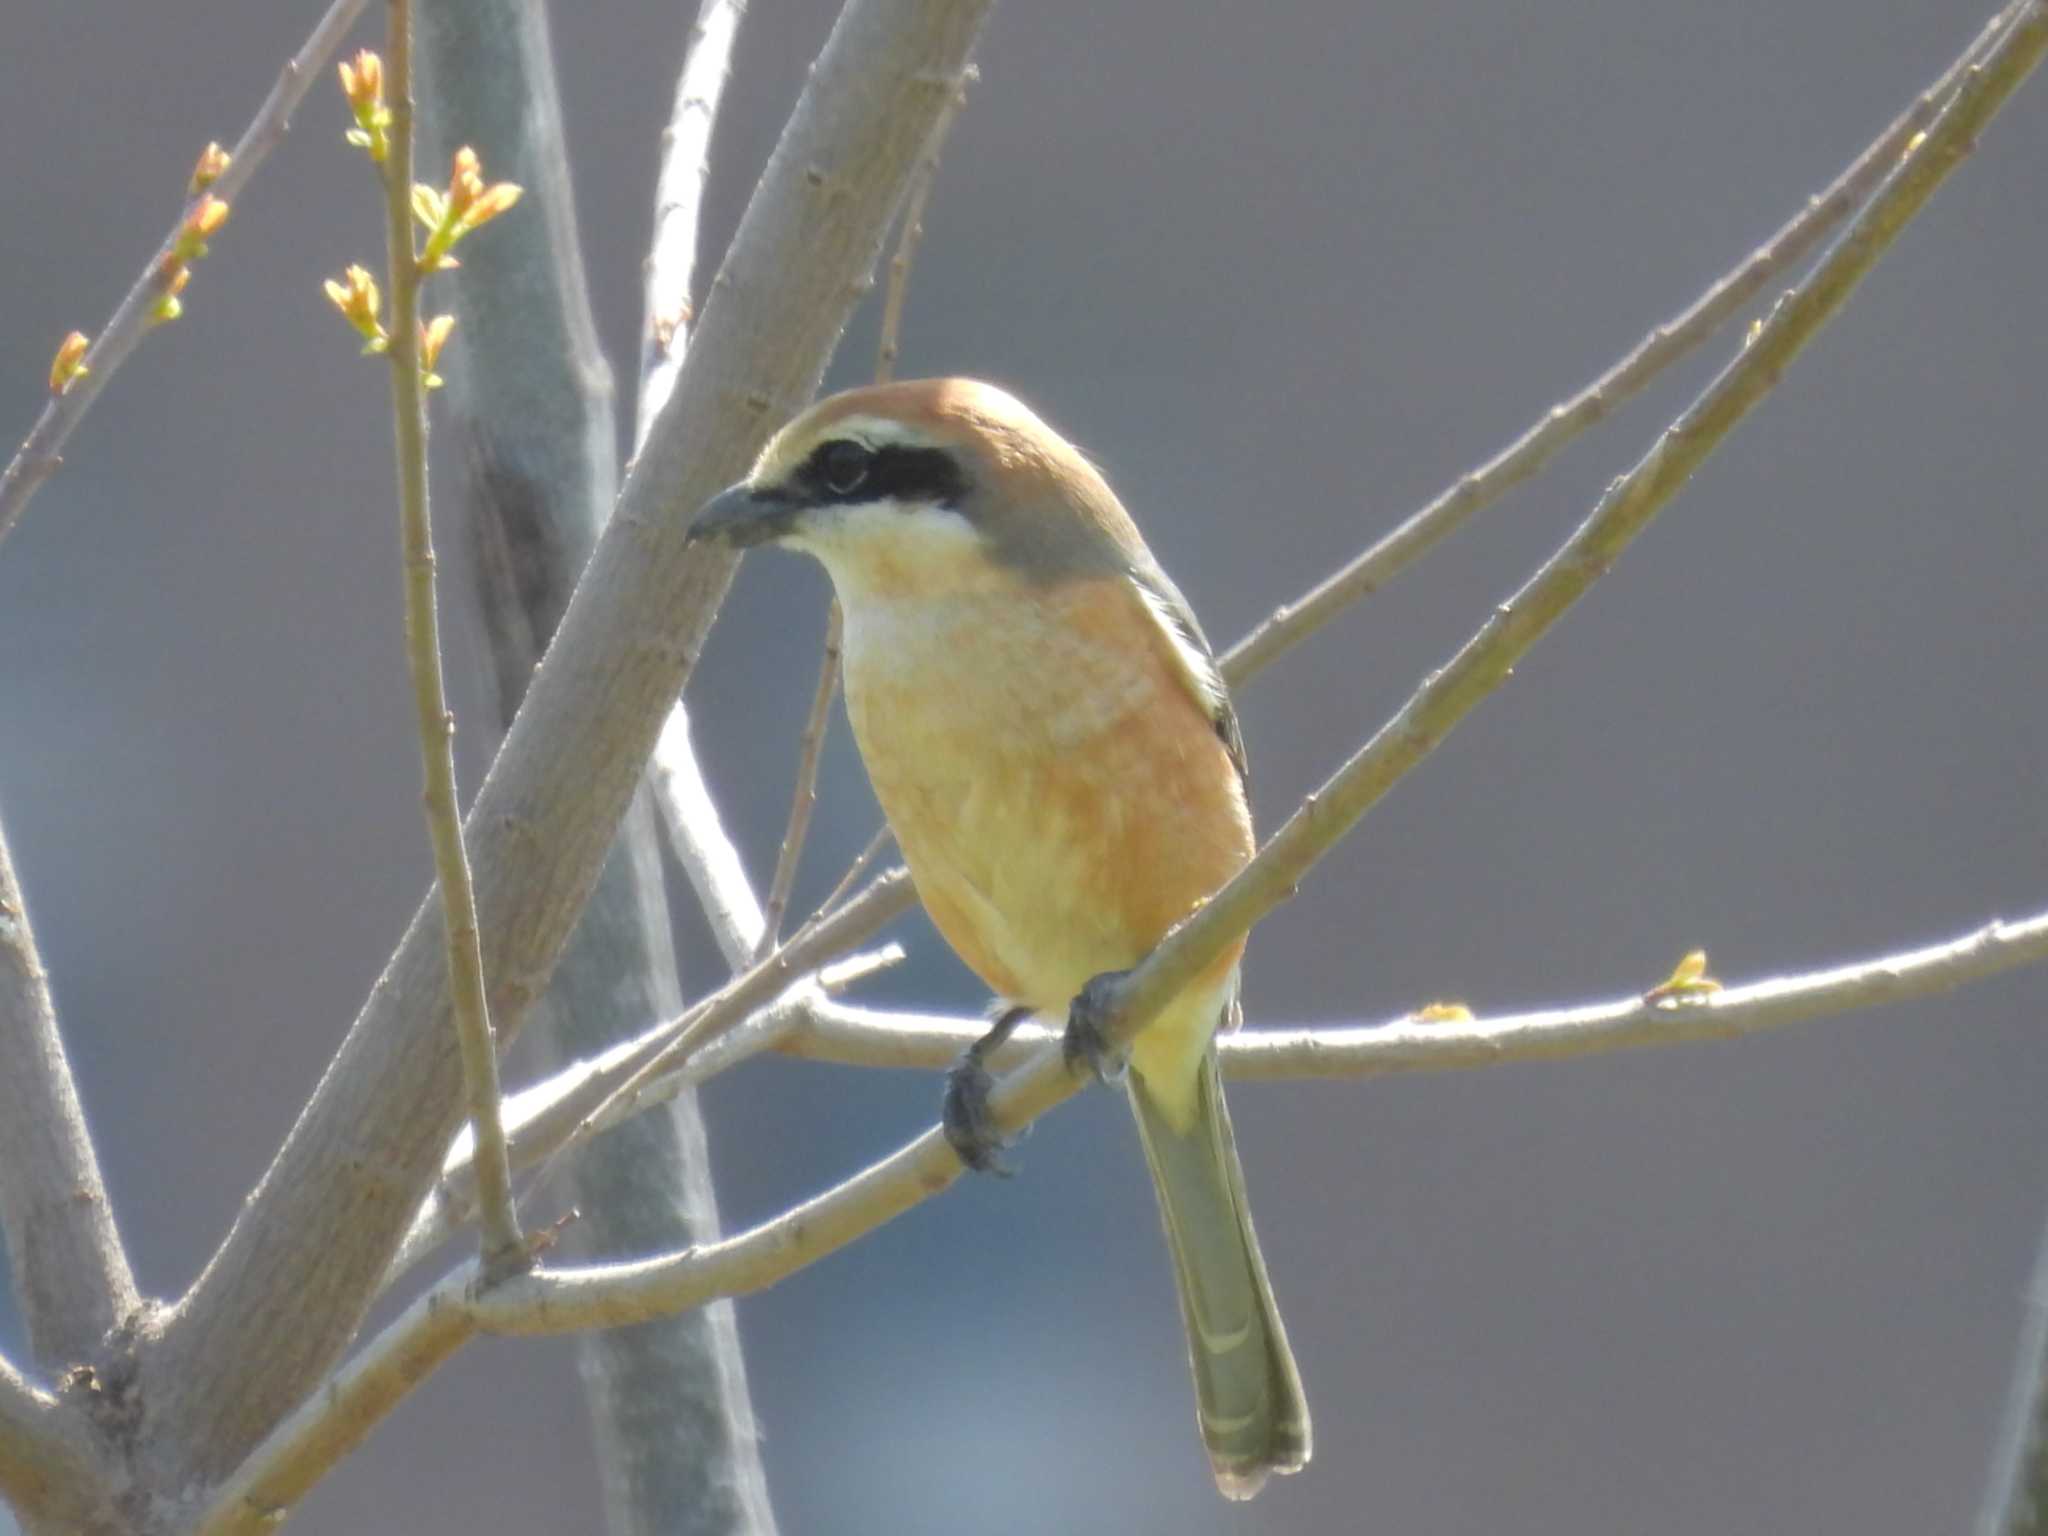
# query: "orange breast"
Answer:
x=1060 y=795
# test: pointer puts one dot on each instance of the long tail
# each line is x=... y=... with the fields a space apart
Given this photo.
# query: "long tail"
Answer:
x=1248 y=1397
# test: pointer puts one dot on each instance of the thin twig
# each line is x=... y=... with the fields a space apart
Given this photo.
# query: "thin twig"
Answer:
x=503 y=1248
x=804 y=799
x=71 y=1273
x=824 y=938
x=1292 y=622
x=861 y=1037
x=854 y=969
x=913 y=231
x=877 y=845
x=39 y=457
x=678 y=194
x=595 y=1095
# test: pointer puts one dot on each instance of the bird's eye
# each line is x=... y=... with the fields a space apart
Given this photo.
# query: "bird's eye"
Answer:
x=844 y=466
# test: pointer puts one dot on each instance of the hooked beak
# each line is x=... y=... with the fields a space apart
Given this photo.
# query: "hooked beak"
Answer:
x=741 y=516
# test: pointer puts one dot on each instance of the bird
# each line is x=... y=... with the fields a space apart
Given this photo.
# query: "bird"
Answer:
x=1048 y=734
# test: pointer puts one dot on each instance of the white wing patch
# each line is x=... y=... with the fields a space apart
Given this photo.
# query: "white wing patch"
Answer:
x=1197 y=671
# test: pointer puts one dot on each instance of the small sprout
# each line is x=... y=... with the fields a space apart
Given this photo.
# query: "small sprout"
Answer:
x=468 y=204
x=465 y=178
x=68 y=366
x=429 y=206
x=169 y=285
x=213 y=161
x=201 y=224
x=362 y=82
x=1687 y=983
x=1442 y=1013
x=433 y=334
x=359 y=302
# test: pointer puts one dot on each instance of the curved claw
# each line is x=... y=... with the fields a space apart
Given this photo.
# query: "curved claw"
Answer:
x=970 y=1128
x=1086 y=1042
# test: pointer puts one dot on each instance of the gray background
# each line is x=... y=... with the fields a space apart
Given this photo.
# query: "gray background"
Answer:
x=1285 y=271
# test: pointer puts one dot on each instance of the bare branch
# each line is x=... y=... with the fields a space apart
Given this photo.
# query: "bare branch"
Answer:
x=666 y=1047
x=913 y=231
x=702 y=846
x=678 y=195
x=616 y=1295
x=861 y=1037
x=689 y=816
x=804 y=798
x=71 y=1275
x=1292 y=622
x=275 y=1306
x=504 y=1249
x=39 y=457
x=876 y=845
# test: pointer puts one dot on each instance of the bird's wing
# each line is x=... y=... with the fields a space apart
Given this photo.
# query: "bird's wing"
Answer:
x=1193 y=660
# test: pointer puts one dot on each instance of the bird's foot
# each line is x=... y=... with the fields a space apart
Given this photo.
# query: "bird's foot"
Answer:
x=969 y=1124
x=1086 y=1043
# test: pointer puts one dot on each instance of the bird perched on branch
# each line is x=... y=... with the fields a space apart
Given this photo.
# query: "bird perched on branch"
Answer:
x=1057 y=755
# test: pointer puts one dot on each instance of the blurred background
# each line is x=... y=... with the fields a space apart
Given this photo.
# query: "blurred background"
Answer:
x=1285 y=272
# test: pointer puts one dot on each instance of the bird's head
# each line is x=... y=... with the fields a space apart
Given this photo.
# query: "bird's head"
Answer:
x=928 y=484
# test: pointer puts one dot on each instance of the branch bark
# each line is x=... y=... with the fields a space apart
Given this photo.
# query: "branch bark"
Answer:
x=71 y=1275
x=51 y=1472
x=280 y=1299
x=856 y=1037
x=532 y=397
